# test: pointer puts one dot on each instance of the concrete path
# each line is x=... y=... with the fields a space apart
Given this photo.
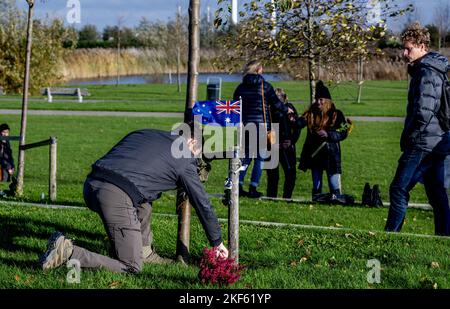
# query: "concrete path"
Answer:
x=90 y=113
x=152 y=114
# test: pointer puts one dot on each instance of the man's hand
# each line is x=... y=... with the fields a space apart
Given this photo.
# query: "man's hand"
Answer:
x=221 y=251
x=11 y=171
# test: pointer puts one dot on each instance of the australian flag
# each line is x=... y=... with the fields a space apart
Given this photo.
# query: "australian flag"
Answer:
x=223 y=113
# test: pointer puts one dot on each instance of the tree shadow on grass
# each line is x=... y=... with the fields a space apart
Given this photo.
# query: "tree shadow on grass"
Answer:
x=15 y=230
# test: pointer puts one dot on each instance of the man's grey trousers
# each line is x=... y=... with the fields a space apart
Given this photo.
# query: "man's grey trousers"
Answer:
x=128 y=228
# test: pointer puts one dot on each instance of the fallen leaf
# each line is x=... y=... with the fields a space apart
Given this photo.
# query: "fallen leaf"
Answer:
x=348 y=235
x=301 y=242
x=434 y=265
x=293 y=263
x=338 y=225
x=114 y=284
x=17 y=277
x=303 y=259
x=371 y=233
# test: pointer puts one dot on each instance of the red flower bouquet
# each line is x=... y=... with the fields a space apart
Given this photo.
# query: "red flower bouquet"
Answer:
x=217 y=270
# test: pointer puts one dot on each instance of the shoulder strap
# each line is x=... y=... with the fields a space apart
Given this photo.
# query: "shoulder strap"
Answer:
x=264 y=104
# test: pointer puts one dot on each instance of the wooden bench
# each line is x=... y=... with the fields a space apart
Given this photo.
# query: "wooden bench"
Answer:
x=51 y=91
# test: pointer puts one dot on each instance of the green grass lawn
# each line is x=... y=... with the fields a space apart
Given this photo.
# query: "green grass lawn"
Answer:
x=369 y=154
x=380 y=98
x=275 y=257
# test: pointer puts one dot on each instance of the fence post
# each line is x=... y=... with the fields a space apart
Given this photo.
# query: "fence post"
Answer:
x=52 y=173
x=233 y=210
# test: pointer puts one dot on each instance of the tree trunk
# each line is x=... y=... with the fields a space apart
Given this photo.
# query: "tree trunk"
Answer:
x=178 y=68
x=191 y=97
x=23 y=124
x=118 y=56
x=312 y=66
x=360 y=78
x=194 y=57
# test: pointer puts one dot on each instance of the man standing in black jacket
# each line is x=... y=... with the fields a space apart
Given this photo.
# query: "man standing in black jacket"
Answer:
x=423 y=142
x=122 y=186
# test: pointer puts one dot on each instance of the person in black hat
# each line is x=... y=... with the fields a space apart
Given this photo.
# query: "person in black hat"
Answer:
x=327 y=127
x=6 y=156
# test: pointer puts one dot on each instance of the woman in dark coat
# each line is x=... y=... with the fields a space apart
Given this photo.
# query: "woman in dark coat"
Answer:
x=321 y=150
x=259 y=100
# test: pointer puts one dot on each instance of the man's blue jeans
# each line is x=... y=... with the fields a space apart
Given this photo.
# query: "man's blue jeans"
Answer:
x=415 y=165
x=334 y=181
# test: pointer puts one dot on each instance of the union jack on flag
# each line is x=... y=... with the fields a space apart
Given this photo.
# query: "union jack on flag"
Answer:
x=223 y=113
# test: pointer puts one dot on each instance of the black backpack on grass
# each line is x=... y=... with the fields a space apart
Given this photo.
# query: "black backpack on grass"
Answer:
x=443 y=113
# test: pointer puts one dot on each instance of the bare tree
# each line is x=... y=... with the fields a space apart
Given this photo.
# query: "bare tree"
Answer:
x=194 y=56
x=442 y=21
x=183 y=206
x=120 y=21
x=23 y=124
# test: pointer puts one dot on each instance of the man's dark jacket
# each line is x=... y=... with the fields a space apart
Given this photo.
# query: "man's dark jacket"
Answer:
x=422 y=130
x=143 y=166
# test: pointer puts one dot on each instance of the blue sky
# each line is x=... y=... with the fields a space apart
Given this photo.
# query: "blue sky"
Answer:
x=131 y=11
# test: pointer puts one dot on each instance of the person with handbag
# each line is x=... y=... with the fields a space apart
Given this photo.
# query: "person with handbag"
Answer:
x=258 y=101
x=321 y=150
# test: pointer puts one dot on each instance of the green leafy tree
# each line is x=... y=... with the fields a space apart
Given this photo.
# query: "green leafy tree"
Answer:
x=89 y=34
x=48 y=40
x=328 y=32
x=434 y=36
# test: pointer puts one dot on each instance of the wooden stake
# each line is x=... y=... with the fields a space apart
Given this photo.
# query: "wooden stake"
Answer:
x=52 y=173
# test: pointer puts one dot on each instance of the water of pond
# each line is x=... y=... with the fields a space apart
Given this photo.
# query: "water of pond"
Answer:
x=172 y=79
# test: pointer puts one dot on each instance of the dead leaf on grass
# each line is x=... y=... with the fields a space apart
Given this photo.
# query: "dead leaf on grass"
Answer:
x=435 y=265
x=114 y=284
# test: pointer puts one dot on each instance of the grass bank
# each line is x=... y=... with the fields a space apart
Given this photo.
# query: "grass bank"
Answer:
x=277 y=258
x=379 y=98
